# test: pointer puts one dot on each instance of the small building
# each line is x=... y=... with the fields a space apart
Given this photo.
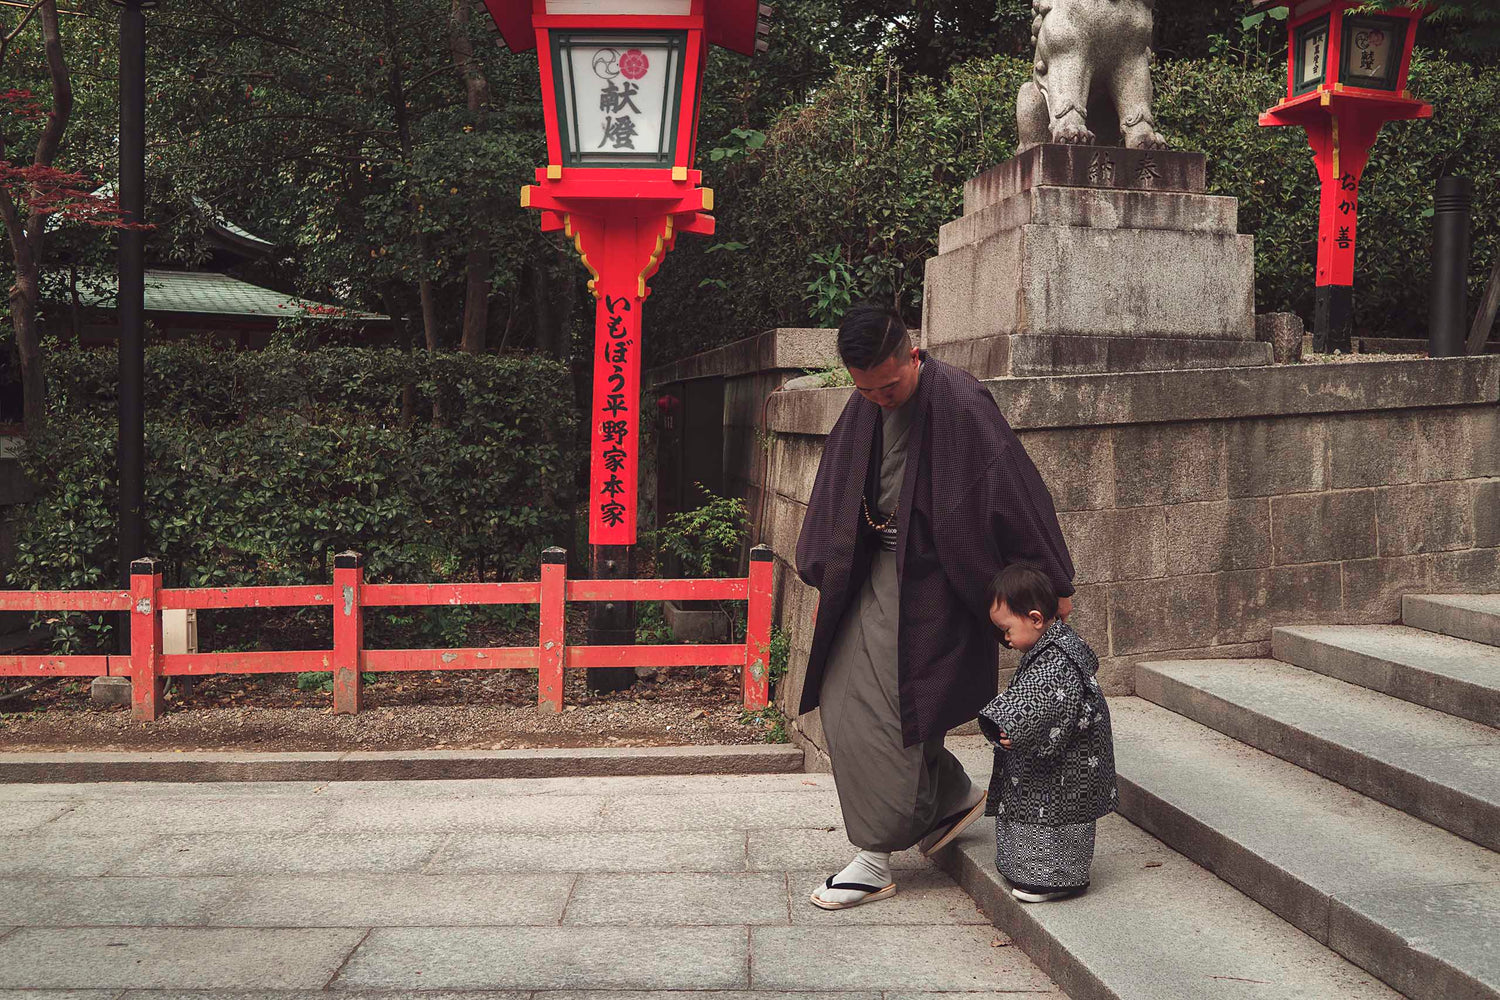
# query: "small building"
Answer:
x=215 y=303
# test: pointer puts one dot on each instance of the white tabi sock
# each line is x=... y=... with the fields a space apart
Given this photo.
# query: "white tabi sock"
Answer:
x=867 y=868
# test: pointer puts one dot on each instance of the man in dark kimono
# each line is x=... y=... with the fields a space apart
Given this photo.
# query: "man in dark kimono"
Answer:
x=924 y=493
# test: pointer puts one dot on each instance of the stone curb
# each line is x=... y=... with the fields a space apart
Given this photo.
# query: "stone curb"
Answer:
x=399 y=765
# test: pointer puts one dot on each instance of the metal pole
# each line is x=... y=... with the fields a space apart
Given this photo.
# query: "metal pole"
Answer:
x=132 y=292
x=611 y=623
x=1448 y=320
x=1333 y=314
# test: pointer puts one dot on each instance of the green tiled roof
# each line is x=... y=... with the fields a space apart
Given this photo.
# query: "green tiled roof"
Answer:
x=209 y=294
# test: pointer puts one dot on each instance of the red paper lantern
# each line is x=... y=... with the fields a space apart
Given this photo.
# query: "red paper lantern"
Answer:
x=621 y=86
x=1345 y=77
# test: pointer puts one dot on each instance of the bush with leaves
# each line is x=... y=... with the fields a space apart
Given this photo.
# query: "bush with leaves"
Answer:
x=260 y=466
x=706 y=543
x=845 y=199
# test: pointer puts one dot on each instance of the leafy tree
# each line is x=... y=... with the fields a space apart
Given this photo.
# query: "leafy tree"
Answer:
x=33 y=189
x=1469 y=29
x=382 y=144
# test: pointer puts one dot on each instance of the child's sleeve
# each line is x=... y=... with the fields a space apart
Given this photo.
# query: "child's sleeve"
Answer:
x=1035 y=714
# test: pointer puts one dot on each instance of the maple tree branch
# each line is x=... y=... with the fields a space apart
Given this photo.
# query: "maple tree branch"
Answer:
x=10 y=37
x=57 y=120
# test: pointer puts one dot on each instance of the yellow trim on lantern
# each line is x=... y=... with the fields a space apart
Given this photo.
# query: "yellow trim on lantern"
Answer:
x=554 y=172
x=1336 y=172
x=577 y=239
x=679 y=173
x=656 y=256
x=1325 y=98
x=525 y=195
x=708 y=199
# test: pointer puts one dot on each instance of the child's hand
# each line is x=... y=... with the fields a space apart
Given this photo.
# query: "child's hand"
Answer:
x=1004 y=741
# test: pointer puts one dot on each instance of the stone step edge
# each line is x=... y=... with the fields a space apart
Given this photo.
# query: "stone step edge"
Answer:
x=1410 y=682
x=973 y=867
x=1285 y=893
x=1320 y=755
x=374 y=765
x=1428 y=612
x=1028 y=933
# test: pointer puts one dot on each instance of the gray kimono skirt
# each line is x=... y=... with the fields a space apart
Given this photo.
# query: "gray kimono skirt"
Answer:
x=891 y=795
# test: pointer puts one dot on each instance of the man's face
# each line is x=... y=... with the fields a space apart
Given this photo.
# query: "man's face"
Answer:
x=890 y=383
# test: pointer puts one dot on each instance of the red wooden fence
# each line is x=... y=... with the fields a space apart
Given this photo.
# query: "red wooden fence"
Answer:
x=349 y=595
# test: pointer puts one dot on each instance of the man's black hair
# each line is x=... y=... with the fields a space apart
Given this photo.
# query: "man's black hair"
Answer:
x=1025 y=588
x=870 y=334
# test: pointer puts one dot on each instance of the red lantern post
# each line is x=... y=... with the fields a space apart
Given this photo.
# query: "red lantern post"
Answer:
x=621 y=86
x=1346 y=76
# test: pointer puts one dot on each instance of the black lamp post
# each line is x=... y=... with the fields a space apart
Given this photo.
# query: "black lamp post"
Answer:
x=131 y=297
x=1449 y=316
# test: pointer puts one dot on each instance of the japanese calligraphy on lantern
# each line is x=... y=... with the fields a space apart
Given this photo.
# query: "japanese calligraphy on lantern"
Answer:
x=1370 y=53
x=1314 y=57
x=615 y=447
x=619 y=95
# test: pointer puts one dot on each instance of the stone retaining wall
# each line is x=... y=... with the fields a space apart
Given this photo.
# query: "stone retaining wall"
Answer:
x=1204 y=508
x=751 y=370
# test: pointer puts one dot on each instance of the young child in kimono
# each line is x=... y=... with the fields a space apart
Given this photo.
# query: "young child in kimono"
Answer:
x=1054 y=754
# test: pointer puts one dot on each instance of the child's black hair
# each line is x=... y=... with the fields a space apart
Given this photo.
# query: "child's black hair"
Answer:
x=1025 y=588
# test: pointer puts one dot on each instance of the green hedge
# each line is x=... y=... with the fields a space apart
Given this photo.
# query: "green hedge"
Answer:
x=260 y=466
x=845 y=198
x=1213 y=106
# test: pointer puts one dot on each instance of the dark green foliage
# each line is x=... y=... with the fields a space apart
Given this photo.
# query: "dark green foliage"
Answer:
x=1213 y=106
x=845 y=199
x=260 y=466
x=705 y=543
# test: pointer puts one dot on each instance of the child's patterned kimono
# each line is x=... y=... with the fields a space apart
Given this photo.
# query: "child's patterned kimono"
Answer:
x=1058 y=777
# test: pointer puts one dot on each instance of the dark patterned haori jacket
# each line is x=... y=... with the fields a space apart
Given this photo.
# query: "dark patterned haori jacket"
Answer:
x=971 y=502
x=1060 y=768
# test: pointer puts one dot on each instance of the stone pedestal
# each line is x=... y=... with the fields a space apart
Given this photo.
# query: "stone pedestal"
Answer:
x=1078 y=259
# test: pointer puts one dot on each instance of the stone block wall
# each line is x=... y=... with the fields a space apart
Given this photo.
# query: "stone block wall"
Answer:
x=1204 y=508
x=752 y=370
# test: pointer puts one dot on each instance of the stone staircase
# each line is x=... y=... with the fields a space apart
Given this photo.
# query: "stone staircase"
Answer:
x=1350 y=787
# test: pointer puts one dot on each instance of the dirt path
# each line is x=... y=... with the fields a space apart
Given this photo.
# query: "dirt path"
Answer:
x=492 y=711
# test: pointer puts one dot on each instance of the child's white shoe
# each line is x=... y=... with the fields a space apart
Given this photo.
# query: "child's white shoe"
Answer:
x=1043 y=897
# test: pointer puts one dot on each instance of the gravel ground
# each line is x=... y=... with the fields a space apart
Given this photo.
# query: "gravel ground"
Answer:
x=491 y=711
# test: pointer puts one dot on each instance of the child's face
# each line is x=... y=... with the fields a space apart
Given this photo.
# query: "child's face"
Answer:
x=1020 y=631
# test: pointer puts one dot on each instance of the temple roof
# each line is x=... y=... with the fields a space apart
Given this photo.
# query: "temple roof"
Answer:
x=205 y=293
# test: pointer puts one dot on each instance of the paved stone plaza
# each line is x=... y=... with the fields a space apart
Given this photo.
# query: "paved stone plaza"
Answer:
x=503 y=888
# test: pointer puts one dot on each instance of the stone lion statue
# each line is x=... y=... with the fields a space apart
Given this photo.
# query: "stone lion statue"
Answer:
x=1091 y=75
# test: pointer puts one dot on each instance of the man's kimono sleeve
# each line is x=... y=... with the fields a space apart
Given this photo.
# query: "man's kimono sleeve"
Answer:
x=1005 y=516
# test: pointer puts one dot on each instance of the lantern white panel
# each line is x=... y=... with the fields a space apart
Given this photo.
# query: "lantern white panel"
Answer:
x=1314 y=57
x=658 y=8
x=1372 y=51
x=620 y=94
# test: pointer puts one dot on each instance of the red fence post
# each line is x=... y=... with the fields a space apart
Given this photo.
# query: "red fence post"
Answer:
x=758 y=630
x=553 y=638
x=348 y=632
x=145 y=640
